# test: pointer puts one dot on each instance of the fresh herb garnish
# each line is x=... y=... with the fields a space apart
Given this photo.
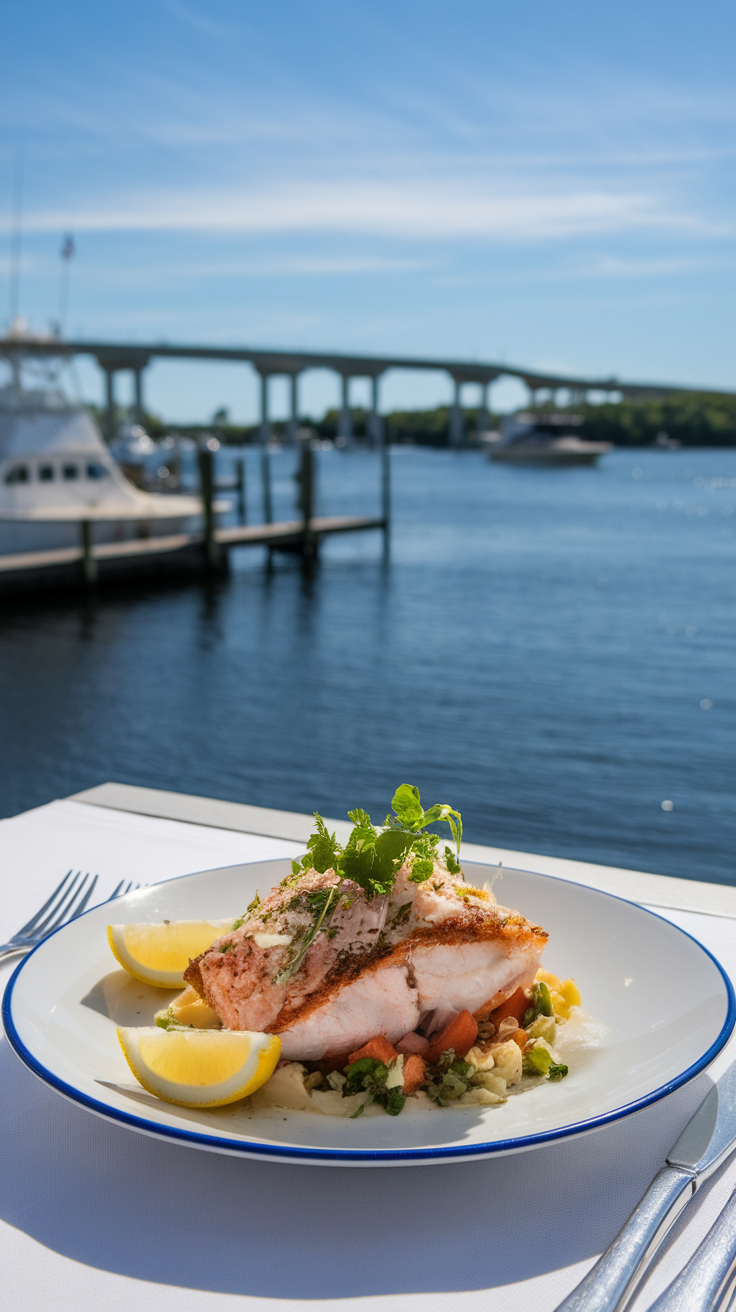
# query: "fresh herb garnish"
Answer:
x=450 y=1079
x=369 y=1075
x=409 y=815
x=321 y=902
x=372 y=858
x=452 y=865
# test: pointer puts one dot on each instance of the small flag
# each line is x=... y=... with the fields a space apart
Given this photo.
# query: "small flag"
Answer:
x=67 y=249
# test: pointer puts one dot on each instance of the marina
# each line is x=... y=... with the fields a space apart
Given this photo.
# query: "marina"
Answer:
x=70 y=514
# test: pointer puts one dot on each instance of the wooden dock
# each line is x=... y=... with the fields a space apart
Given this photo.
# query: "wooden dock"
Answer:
x=178 y=553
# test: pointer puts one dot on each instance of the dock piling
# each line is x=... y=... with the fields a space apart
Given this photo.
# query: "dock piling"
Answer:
x=241 y=488
x=266 y=484
x=89 y=564
x=207 y=484
x=265 y=438
x=306 y=498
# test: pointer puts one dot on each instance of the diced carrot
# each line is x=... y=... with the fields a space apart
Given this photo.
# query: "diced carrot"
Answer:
x=412 y=1042
x=379 y=1048
x=459 y=1034
x=514 y=1006
x=521 y=1037
x=414 y=1069
x=488 y=1007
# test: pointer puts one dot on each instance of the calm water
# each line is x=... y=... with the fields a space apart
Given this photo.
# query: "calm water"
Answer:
x=551 y=651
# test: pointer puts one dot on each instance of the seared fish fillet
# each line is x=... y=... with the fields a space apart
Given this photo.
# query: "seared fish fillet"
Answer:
x=384 y=965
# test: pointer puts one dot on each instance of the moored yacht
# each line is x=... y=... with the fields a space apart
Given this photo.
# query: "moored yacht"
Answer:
x=545 y=439
x=56 y=472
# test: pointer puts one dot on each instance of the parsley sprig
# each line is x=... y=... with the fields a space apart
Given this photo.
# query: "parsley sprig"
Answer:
x=372 y=858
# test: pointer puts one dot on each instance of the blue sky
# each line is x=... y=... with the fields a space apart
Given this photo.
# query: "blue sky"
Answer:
x=546 y=184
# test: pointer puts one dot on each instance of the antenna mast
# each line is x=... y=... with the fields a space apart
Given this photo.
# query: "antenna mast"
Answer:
x=16 y=235
x=68 y=250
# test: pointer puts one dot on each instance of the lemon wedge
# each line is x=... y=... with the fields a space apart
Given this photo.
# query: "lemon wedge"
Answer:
x=188 y=1009
x=200 y=1068
x=159 y=954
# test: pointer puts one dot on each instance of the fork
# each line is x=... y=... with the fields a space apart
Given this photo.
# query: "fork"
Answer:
x=67 y=902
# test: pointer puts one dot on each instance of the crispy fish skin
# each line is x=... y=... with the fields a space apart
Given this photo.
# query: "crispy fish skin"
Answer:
x=384 y=966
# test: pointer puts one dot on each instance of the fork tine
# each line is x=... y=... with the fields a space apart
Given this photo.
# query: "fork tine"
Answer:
x=85 y=899
x=61 y=913
x=116 y=891
x=68 y=910
x=70 y=893
x=26 y=929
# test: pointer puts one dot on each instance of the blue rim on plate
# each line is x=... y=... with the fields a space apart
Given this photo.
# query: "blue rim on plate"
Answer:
x=284 y=1153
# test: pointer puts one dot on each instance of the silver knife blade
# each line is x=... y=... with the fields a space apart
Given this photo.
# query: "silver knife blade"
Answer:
x=708 y=1138
x=711 y=1134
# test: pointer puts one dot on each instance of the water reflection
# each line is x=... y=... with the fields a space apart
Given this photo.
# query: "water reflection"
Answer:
x=536 y=648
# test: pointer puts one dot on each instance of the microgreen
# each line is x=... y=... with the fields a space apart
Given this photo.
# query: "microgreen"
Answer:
x=411 y=817
x=371 y=857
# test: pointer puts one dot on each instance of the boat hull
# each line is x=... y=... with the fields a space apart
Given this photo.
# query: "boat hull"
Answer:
x=547 y=457
x=18 y=537
x=565 y=451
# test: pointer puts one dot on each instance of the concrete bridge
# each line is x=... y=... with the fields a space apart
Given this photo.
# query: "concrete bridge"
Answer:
x=116 y=357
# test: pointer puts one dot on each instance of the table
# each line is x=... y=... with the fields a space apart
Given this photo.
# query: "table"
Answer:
x=93 y=1216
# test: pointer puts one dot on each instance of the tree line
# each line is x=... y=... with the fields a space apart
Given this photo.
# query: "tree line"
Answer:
x=691 y=418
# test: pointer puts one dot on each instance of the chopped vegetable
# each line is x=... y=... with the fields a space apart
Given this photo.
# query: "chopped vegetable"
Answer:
x=517 y=1006
x=372 y=1076
x=450 y=1080
x=378 y=1048
x=543 y=1027
x=459 y=1034
x=541 y=1004
x=415 y=1070
x=537 y=1060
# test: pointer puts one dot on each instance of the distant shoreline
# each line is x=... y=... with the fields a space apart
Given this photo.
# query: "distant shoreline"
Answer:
x=690 y=419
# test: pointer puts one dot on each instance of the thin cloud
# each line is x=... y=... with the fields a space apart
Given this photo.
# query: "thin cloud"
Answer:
x=419 y=210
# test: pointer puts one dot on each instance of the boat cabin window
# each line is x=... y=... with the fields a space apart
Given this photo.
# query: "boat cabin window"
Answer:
x=18 y=474
x=95 y=470
x=45 y=473
x=70 y=471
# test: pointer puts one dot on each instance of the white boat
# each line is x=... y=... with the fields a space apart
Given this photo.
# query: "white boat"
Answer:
x=132 y=445
x=56 y=473
x=545 y=439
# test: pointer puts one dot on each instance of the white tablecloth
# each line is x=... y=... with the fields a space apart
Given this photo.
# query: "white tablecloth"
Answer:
x=93 y=1216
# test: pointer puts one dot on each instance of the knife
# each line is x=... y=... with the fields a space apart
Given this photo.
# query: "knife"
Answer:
x=704 y=1144
x=706 y=1283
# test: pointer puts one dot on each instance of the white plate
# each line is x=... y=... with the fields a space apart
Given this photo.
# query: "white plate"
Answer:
x=666 y=1006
